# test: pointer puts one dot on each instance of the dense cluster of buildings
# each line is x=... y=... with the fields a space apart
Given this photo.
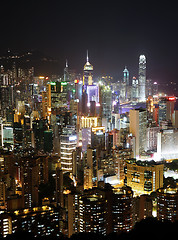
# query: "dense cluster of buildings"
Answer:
x=80 y=154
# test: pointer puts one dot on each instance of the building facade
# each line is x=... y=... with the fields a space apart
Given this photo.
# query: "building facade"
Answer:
x=144 y=177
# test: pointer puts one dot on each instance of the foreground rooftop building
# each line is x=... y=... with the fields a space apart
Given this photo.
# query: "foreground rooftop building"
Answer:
x=144 y=177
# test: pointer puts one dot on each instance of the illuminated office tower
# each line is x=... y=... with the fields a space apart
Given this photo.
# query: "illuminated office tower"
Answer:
x=87 y=73
x=18 y=135
x=138 y=126
x=68 y=142
x=126 y=84
x=120 y=155
x=144 y=177
x=149 y=88
x=6 y=135
x=92 y=163
x=88 y=174
x=167 y=204
x=98 y=137
x=167 y=144
x=5 y=224
x=93 y=94
x=126 y=76
x=134 y=93
x=86 y=138
x=106 y=104
x=92 y=214
x=142 y=78
x=166 y=108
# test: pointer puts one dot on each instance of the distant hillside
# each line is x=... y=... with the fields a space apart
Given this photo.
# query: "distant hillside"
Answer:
x=44 y=65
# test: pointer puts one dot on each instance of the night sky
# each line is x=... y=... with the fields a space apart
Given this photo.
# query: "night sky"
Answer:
x=114 y=32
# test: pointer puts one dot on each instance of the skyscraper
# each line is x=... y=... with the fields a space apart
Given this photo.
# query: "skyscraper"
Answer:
x=66 y=73
x=59 y=187
x=88 y=73
x=126 y=76
x=124 y=88
x=166 y=108
x=138 y=129
x=142 y=78
x=68 y=142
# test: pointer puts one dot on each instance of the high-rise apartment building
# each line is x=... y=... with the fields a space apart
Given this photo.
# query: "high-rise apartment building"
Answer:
x=142 y=207
x=92 y=213
x=73 y=213
x=142 y=78
x=41 y=221
x=167 y=204
x=122 y=209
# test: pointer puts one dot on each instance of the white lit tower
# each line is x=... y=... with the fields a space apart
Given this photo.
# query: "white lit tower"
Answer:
x=142 y=78
x=87 y=73
x=126 y=83
x=68 y=143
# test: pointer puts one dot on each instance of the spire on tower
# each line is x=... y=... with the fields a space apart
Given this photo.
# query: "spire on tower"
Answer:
x=66 y=63
x=87 y=56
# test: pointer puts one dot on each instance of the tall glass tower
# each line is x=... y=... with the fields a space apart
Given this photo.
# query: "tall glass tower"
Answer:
x=142 y=78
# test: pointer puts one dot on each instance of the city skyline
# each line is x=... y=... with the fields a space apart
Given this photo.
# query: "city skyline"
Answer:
x=88 y=119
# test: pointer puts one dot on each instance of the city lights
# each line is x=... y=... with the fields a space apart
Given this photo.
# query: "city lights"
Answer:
x=81 y=153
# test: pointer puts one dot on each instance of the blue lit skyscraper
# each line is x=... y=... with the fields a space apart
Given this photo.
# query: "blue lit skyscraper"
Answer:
x=126 y=76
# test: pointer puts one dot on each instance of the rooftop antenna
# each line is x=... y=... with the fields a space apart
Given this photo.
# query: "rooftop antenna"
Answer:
x=87 y=56
x=66 y=63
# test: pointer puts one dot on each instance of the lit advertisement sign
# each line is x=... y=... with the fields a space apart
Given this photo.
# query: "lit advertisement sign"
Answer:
x=171 y=98
x=63 y=83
